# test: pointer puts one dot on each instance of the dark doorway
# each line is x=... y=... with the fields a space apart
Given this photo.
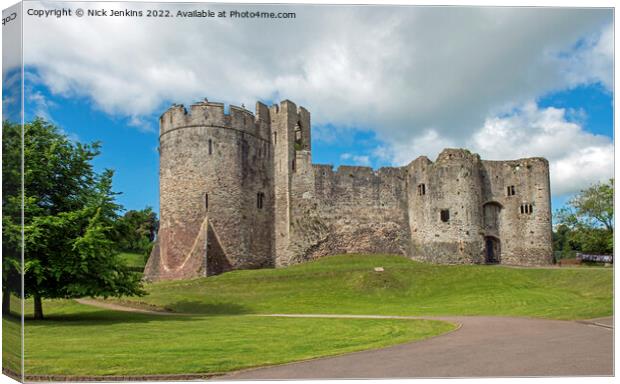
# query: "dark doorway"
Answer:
x=492 y=250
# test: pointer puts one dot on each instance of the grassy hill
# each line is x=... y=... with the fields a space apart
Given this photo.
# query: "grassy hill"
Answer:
x=349 y=284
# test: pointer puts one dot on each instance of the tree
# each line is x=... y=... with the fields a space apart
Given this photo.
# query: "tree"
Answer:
x=11 y=213
x=136 y=230
x=587 y=222
x=69 y=213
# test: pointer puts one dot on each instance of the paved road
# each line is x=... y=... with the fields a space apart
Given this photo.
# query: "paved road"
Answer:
x=483 y=346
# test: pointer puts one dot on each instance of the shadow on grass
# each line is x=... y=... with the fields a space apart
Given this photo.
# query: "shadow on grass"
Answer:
x=208 y=309
x=182 y=311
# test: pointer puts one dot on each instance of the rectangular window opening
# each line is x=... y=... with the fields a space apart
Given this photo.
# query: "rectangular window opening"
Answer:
x=444 y=215
x=421 y=189
x=510 y=190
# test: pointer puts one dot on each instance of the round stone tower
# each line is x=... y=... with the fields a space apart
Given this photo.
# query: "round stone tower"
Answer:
x=215 y=192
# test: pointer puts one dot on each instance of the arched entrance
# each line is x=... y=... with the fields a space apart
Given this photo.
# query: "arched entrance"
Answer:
x=492 y=250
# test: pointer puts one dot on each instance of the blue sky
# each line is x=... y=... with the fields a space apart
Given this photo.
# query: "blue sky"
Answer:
x=132 y=153
x=506 y=83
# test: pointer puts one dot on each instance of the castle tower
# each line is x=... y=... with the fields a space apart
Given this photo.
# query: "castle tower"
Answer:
x=445 y=208
x=519 y=191
x=284 y=119
x=215 y=192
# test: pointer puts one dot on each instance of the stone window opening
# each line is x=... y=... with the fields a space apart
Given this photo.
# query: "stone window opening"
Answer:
x=275 y=138
x=510 y=190
x=293 y=165
x=421 y=189
x=260 y=196
x=444 y=215
x=298 y=136
x=210 y=147
x=526 y=209
x=206 y=201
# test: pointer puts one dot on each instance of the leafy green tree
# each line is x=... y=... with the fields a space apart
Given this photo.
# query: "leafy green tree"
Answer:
x=136 y=230
x=587 y=222
x=69 y=213
x=11 y=213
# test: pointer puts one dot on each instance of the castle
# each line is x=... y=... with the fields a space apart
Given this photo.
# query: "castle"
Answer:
x=239 y=190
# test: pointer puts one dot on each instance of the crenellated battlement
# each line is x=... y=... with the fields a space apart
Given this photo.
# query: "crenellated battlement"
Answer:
x=212 y=114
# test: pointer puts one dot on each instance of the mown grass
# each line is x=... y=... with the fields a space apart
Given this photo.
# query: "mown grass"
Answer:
x=349 y=284
x=132 y=260
x=81 y=340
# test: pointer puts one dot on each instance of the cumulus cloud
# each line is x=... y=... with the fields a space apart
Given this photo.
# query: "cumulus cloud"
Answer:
x=421 y=78
x=577 y=158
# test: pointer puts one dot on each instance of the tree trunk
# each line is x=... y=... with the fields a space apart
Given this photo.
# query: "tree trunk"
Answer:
x=6 y=302
x=38 y=308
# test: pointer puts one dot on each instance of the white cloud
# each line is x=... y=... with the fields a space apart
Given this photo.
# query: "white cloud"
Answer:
x=577 y=158
x=40 y=103
x=356 y=159
x=421 y=78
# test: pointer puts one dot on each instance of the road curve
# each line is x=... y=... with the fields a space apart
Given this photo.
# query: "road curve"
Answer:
x=482 y=347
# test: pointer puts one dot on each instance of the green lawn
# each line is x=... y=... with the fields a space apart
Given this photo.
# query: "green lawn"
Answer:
x=81 y=340
x=133 y=260
x=348 y=284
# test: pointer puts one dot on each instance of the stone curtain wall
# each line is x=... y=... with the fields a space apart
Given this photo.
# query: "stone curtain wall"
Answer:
x=239 y=190
x=351 y=210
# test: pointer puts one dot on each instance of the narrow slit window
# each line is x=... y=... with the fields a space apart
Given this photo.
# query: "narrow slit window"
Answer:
x=421 y=189
x=510 y=190
x=260 y=196
x=206 y=201
x=444 y=215
x=210 y=146
x=293 y=165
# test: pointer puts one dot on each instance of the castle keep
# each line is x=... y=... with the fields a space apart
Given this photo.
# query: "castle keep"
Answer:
x=239 y=190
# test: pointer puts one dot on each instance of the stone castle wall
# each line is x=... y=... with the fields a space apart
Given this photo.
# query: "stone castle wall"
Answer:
x=452 y=185
x=214 y=165
x=239 y=190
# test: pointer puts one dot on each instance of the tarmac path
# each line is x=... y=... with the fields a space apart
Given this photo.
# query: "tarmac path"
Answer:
x=480 y=347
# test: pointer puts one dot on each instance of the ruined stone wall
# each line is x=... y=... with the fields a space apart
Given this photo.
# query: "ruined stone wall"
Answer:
x=451 y=184
x=525 y=237
x=212 y=164
x=351 y=210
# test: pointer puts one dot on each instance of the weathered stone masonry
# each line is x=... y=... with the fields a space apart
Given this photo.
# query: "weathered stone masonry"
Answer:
x=239 y=190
